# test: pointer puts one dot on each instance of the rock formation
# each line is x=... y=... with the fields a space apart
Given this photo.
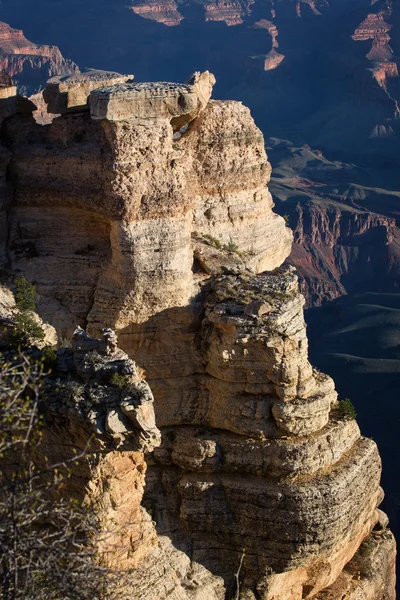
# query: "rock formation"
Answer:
x=21 y=58
x=148 y=212
x=345 y=234
x=162 y=12
x=96 y=402
x=168 y=13
x=384 y=65
x=340 y=251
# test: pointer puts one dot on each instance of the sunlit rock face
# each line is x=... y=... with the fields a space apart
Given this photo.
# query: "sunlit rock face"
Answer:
x=131 y=193
x=148 y=212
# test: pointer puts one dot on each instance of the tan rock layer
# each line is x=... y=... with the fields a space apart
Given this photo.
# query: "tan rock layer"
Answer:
x=154 y=218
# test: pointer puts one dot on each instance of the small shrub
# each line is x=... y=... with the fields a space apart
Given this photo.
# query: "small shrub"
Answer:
x=26 y=296
x=49 y=358
x=25 y=329
x=119 y=380
x=212 y=241
x=346 y=410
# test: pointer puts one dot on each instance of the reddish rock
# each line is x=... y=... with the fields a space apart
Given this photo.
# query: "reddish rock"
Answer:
x=163 y=12
x=19 y=56
x=230 y=12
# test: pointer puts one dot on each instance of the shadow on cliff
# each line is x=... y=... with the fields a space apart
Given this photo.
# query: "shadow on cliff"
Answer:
x=356 y=340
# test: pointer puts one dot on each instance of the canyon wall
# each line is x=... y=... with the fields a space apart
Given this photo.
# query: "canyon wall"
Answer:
x=147 y=211
x=338 y=250
x=30 y=65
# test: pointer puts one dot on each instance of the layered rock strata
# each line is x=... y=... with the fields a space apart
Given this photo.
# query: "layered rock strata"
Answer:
x=71 y=93
x=168 y=13
x=149 y=213
x=125 y=195
x=384 y=65
x=338 y=250
x=274 y=58
x=20 y=58
x=97 y=404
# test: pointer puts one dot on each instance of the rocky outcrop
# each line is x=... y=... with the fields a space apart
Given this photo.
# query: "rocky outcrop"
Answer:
x=384 y=65
x=71 y=93
x=168 y=13
x=20 y=58
x=232 y=13
x=148 y=212
x=130 y=196
x=179 y=103
x=273 y=59
x=97 y=405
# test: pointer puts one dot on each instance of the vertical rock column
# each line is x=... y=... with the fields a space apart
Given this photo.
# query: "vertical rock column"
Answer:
x=151 y=263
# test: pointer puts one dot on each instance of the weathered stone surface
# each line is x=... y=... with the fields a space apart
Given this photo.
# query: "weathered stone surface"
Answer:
x=106 y=393
x=71 y=92
x=371 y=572
x=165 y=236
x=231 y=171
x=179 y=102
x=123 y=199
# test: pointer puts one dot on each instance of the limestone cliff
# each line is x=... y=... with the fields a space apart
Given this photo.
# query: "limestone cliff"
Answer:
x=148 y=212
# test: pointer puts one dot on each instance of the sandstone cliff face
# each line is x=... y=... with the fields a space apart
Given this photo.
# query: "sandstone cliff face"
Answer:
x=130 y=196
x=149 y=213
x=113 y=425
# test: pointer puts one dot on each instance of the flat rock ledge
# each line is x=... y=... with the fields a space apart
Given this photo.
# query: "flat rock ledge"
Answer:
x=71 y=93
x=181 y=102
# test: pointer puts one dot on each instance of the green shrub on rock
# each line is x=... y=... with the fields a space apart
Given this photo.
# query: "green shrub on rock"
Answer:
x=119 y=380
x=25 y=329
x=346 y=410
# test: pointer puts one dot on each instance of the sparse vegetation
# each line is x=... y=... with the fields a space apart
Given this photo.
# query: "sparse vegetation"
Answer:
x=212 y=241
x=49 y=358
x=25 y=329
x=26 y=296
x=47 y=539
x=121 y=381
x=346 y=410
x=237 y=289
x=216 y=243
